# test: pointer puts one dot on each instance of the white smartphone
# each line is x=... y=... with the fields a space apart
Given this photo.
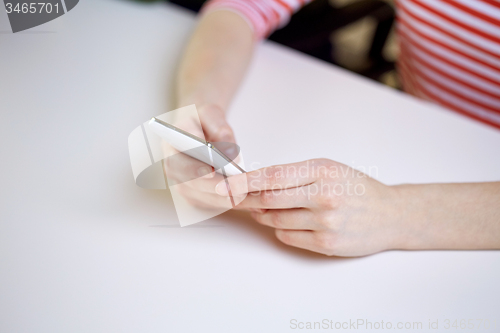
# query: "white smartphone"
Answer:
x=195 y=147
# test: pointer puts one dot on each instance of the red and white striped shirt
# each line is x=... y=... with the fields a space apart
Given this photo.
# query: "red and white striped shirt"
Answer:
x=450 y=49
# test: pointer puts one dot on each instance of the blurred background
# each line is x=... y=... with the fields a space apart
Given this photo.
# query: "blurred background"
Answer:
x=357 y=35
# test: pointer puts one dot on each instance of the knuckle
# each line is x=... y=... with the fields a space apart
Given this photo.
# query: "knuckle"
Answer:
x=325 y=241
x=323 y=166
x=214 y=108
x=276 y=220
x=272 y=175
x=283 y=236
x=225 y=132
x=327 y=222
x=324 y=162
x=266 y=198
x=327 y=201
x=224 y=127
x=259 y=219
x=323 y=171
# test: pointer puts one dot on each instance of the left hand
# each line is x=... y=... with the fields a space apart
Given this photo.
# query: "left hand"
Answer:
x=322 y=206
x=198 y=179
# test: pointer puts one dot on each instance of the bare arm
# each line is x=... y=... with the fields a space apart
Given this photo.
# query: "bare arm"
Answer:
x=450 y=216
x=215 y=60
x=334 y=210
x=211 y=69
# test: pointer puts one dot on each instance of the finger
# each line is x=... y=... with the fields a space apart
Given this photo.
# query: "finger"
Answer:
x=291 y=219
x=206 y=183
x=215 y=126
x=282 y=199
x=204 y=205
x=275 y=177
x=202 y=199
x=309 y=240
x=218 y=131
x=182 y=167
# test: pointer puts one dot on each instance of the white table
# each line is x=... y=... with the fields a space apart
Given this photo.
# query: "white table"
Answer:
x=83 y=249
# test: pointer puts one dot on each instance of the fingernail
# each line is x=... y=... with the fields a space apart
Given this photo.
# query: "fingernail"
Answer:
x=203 y=171
x=230 y=151
x=221 y=188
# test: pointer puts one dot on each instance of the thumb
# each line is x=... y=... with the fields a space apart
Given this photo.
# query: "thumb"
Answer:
x=214 y=123
x=218 y=131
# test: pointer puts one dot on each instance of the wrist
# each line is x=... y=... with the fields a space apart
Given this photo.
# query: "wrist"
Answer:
x=411 y=218
x=434 y=216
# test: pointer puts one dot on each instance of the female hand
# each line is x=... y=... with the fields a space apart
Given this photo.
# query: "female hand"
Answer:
x=198 y=178
x=322 y=206
x=211 y=69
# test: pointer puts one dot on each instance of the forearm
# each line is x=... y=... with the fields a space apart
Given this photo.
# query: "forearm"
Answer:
x=215 y=60
x=449 y=216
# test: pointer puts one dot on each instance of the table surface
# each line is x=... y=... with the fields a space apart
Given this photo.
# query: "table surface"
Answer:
x=83 y=249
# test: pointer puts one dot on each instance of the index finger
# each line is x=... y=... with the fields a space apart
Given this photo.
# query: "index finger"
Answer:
x=273 y=178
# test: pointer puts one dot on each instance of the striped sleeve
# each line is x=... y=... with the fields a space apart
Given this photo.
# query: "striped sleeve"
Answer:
x=450 y=49
x=264 y=16
x=450 y=54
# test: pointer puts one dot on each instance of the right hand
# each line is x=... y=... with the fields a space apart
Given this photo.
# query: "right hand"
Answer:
x=200 y=190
